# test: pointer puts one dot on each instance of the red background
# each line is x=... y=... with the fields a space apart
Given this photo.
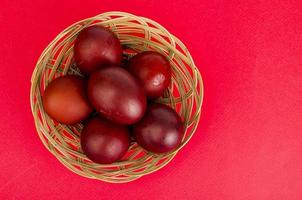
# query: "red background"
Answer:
x=249 y=143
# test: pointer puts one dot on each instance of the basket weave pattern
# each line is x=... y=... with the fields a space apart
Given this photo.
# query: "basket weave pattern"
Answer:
x=136 y=34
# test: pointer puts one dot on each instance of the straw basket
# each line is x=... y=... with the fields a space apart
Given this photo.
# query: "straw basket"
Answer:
x=136 y=34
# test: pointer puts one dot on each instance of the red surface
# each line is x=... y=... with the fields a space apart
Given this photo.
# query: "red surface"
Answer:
x=249 y=143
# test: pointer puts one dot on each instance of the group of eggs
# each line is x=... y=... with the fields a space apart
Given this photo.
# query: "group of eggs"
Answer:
x=122 y=97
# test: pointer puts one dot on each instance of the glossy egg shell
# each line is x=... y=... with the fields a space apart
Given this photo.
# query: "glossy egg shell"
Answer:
x=103 y=141
x=65 y=99
x=153 y=70
x=117 y=95
x=161 y=129
x=96 y=46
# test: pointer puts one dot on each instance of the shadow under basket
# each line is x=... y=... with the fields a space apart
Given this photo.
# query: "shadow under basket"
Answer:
x=137 y=34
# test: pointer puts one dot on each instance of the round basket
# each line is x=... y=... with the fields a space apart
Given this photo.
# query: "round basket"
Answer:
x=136 y=34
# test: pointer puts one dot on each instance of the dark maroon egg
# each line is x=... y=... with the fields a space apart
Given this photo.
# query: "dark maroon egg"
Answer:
x=117 y=95
x=103 y=141
x=153 y=70
x=65 y=99
x=96 y=46
x=160 y=130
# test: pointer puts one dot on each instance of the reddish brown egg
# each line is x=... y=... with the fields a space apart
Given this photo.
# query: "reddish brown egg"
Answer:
x=103 y=141
x=117 y=95
x=153 y=70
x=65 y=99
x=96 y=46
x=160 y=130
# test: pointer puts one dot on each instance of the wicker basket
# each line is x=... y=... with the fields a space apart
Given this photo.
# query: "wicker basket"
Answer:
x=136 y=34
